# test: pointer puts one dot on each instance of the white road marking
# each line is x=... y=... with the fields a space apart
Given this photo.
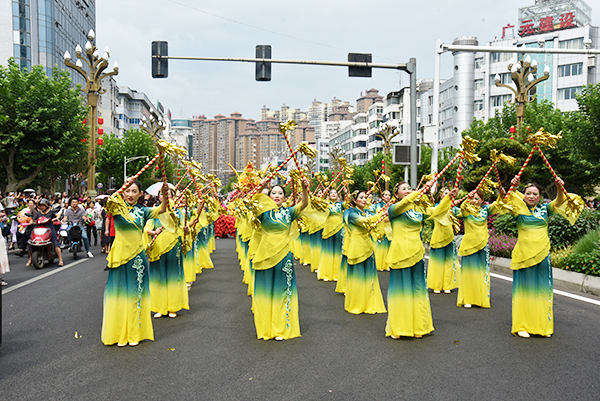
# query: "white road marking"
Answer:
x=557 y=292
x=41 y=276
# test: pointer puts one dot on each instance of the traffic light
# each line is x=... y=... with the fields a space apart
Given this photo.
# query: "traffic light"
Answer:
x=160 y=66
x=263 y=70
x=360 y=71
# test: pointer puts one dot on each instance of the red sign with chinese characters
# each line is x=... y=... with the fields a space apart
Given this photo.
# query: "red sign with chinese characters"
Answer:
x=546 y=24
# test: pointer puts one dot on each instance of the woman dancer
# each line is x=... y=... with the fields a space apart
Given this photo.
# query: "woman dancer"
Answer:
x=126 y=315
x=442 y=270
x=331 y=252
x=533 y=289
x=384 y=228
x=363 y=294
x=475 y=270
x=275 y=300
x=408 y=301
x=167 y=281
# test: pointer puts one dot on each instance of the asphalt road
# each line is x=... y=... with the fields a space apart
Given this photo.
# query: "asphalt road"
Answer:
x=211 y=352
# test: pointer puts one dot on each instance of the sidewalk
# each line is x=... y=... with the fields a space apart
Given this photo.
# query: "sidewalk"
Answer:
x=564 y=279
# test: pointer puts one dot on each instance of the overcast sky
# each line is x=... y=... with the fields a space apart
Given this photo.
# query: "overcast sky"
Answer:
x=392 y=30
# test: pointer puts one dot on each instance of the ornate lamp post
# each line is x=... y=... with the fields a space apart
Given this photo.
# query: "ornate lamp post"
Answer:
x=334 y=154
x=93 y=87
x=386 y=134
x=521 y=74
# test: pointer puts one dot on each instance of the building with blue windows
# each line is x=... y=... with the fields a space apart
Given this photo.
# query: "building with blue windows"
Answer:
x=38 y=32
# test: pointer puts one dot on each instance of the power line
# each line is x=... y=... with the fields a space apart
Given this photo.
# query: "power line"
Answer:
x=268 y=30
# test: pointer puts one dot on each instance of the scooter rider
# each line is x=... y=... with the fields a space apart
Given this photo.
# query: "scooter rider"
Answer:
x=43 y=209
x=75 y=215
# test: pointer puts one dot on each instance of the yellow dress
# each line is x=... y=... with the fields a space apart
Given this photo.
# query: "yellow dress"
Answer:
x=475 y=267
x=167 y=281
x=363 y=293
x=331 y=246
x=126 y=310
x=533 y=287
x=409 y=310
x=443 y=269
x=275 y=299
x=383 y=240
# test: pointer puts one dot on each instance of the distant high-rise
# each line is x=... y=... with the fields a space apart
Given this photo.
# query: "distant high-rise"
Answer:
x=38 y=32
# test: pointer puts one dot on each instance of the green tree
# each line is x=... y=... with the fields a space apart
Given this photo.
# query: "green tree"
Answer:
x=135 y=142
x=582 y=135
x=571 y=159
x=41 y=125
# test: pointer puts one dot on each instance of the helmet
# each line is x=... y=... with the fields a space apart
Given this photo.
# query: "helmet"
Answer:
x=44 y=202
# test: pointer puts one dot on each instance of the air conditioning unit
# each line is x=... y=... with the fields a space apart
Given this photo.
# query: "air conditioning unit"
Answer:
x=401 y=154
x=591 y=61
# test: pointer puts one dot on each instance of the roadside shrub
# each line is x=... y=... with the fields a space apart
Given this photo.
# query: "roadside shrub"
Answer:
x=559 y=256
x=427 y=231
x=586 y=263
x=563 y=234
x=588 y=243
x=505 y=224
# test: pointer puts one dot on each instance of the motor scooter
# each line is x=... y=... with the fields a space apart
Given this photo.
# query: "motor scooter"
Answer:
x=42 y=246
x=75 y=244
x=63 y=236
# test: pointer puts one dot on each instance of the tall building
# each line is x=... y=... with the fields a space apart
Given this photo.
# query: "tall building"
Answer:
x=181 y=133
x=472 y=91
x=365 y=101
x=107 y=105
x=204 y=142
x=132 y=107
x=38 y=32
x=320 y=113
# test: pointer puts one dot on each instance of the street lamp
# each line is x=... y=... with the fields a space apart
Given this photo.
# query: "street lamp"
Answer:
x=127 y=160
x=521 y=74
x=386 y=134
x=93 y=87
x=334 y=154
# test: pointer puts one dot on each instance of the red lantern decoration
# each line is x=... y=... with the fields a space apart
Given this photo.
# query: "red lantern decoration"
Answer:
x=512 y=131
x=100 y=131
x=100 y=141
x=100 y=120
x=85 y=121
x=84 y=140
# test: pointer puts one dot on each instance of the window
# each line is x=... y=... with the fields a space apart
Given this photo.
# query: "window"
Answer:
x=498 y=101
x=478 y=84
x=478 y=63
x=478 y=105
x=570 y=69
x=568 y=93
x=446 y=94
x=499 y=57
x=504 y=79
x=446 y=114
x=576 y=43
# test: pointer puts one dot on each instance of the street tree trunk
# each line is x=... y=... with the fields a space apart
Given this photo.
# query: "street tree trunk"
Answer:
x=13 y=182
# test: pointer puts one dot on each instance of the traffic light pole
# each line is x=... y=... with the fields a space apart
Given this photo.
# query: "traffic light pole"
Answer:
x=403 y=67
x=356 y=68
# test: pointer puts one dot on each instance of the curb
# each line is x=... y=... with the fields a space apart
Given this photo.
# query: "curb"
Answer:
x=563 y=279
x=568 y=280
